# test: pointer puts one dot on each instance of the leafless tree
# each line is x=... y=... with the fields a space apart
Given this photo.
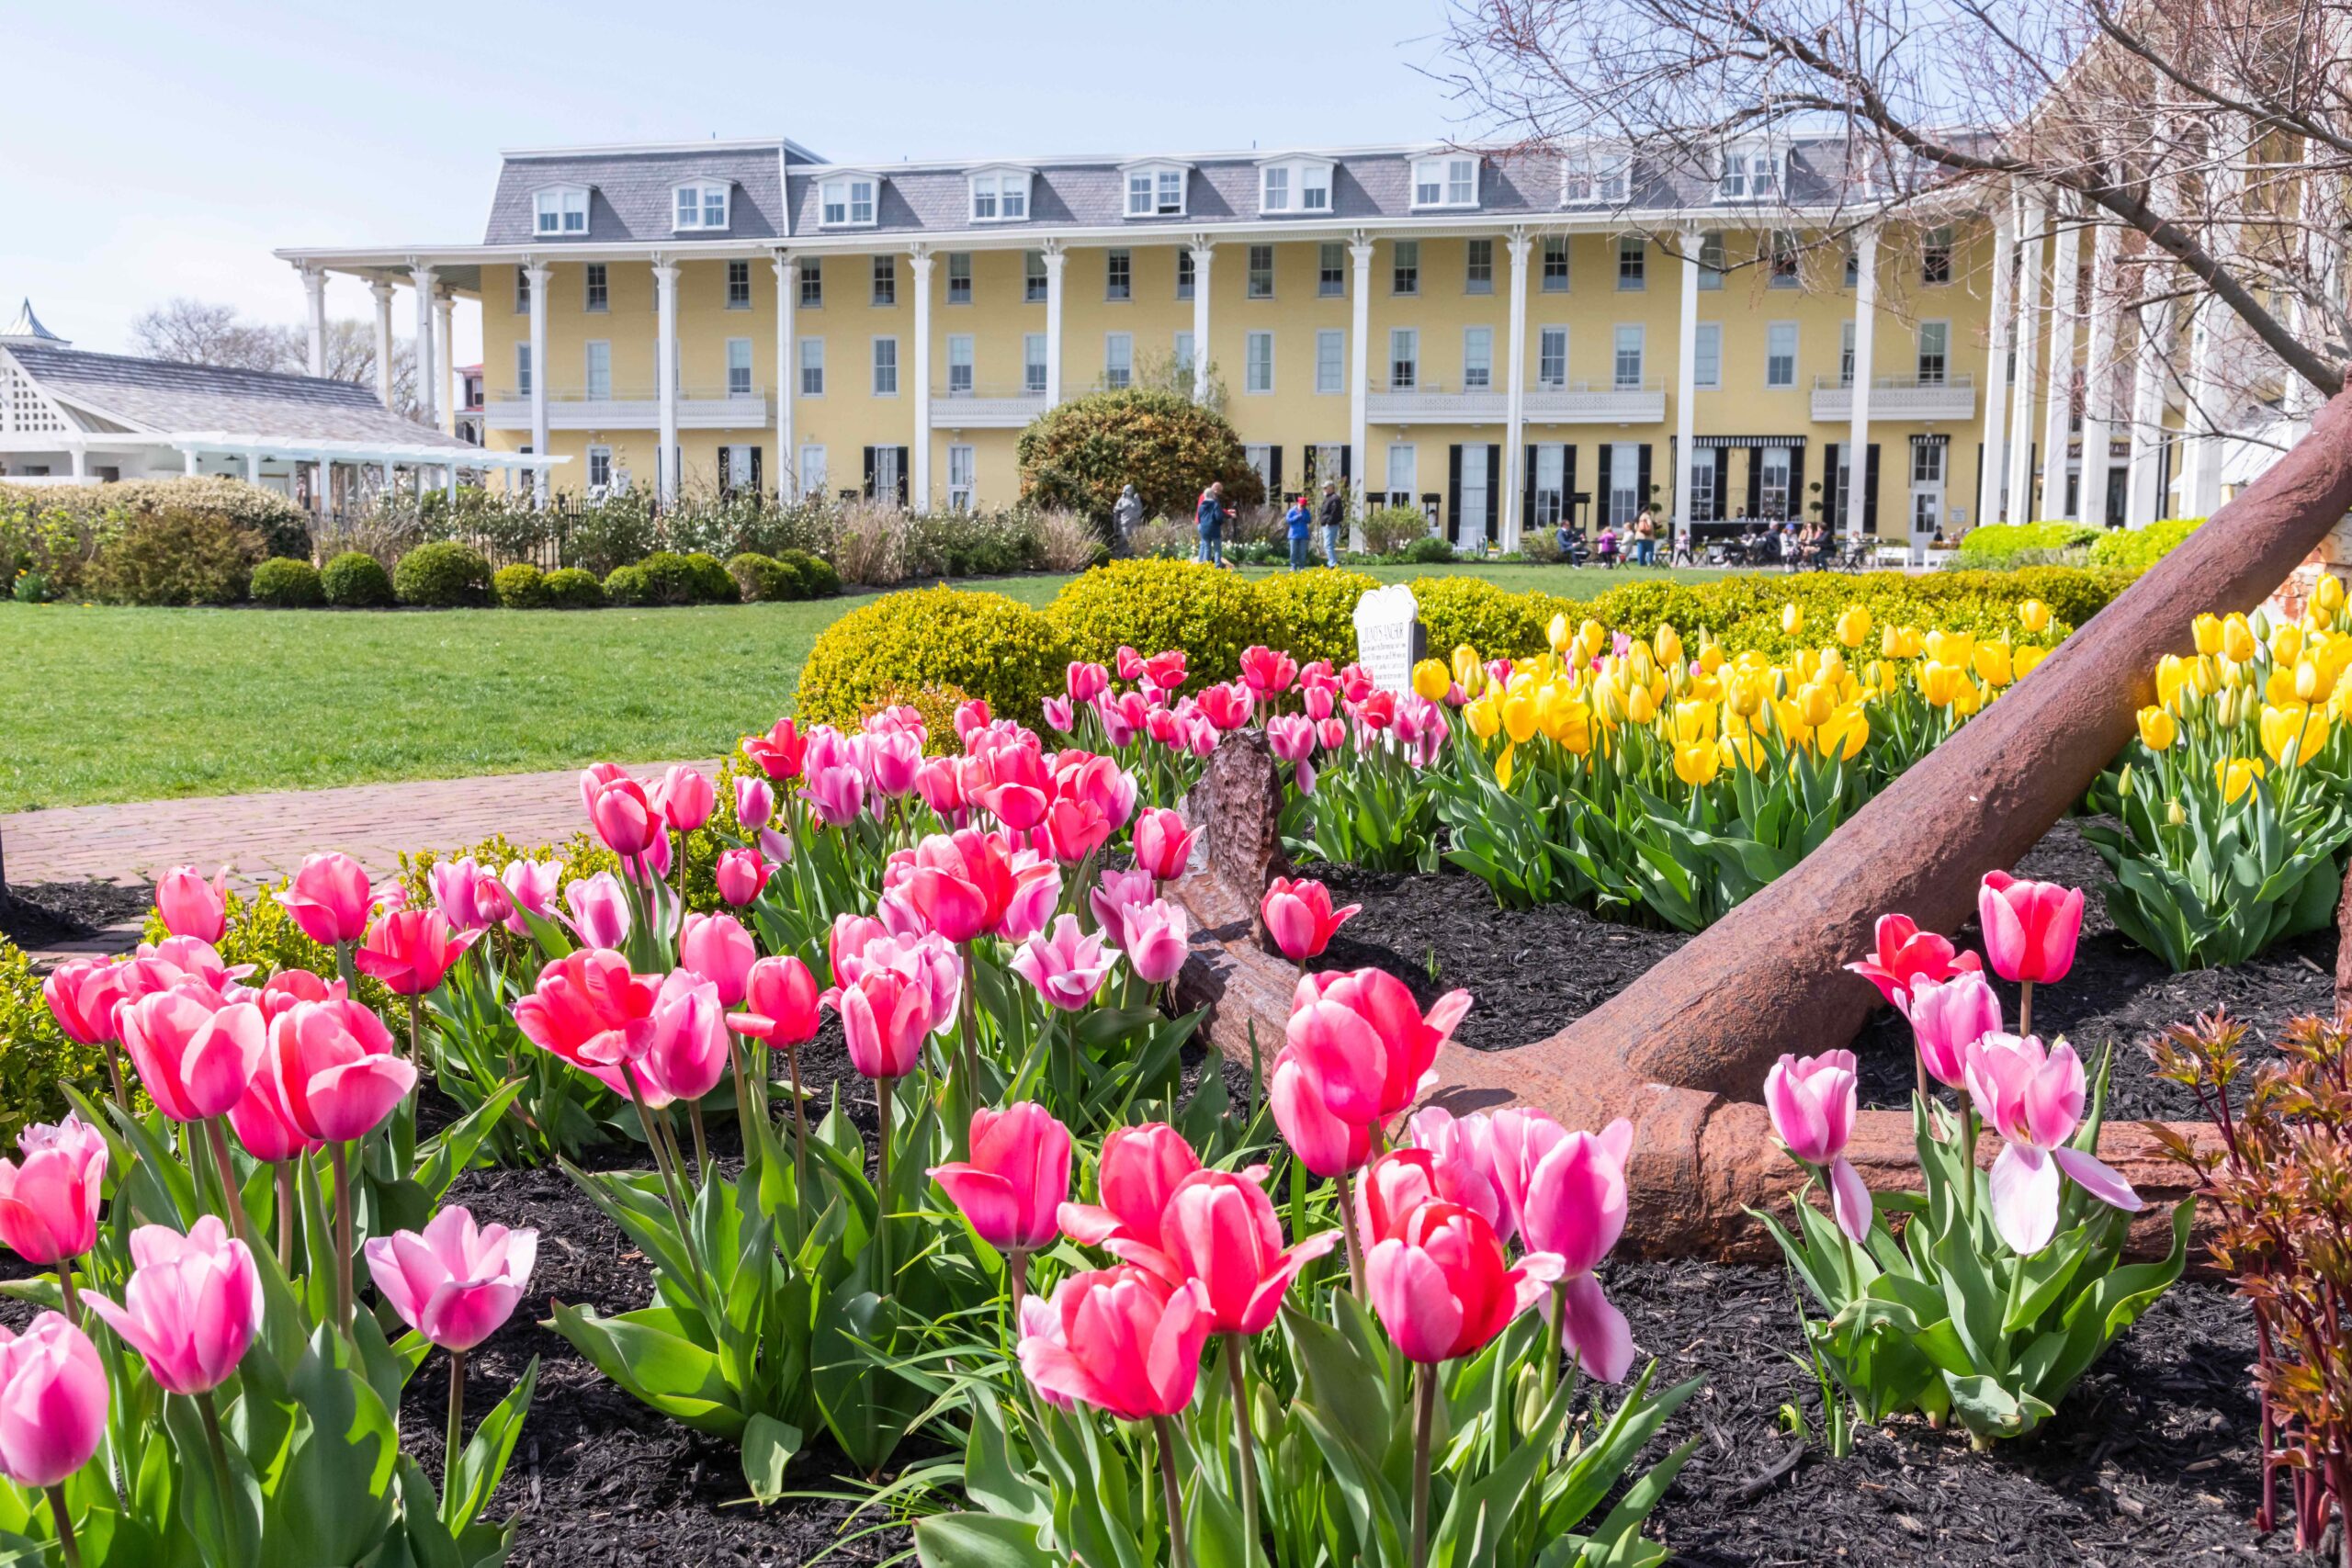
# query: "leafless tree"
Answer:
x=193 y=332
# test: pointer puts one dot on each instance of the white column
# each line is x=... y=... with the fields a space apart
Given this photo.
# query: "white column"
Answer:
x=1204 y=253
x=1857 y=502
x=314 y=284
x=253 y=467
x=788 y=375
x=383 y=292
x=322 y=486
x=1515 y=398
x=1359 y=381
x=538 y=273
x=428 y=403
x=1686 y=392
x=1055 y=257
x=444 y=376
x=187 y=458
x=2098 y=376
x=919 y=260
x=666 y=366
x=2151 y=368
x=2058 y=395
x=81 y=457
x=2030 y=278
x=1993 y=468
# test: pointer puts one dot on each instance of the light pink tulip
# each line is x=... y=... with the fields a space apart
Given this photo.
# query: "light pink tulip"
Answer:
x=1120 y=1340
x=685 y=796
x=337 y=1069
x=2030 y=928
x=599 y=905
x=83 y=994
x=531 y=886
x=1156 y=938
x=262 y=1121
x=686 y=1055
x=330 y=900
x=159 y=965
x=48 y=1203
x=717 y=948
x=1014 y=1184
x=1221 y=1232
x=1462 y=1151
x=1299 y=917
x=456 y=893
x=191 y=906
x=887 y=1014
x=453 y=1284
x=741 y=874
x=1812 y=1101
x=1036 y=894
x=1327 y=1144
x=1137 y=1174
x=412 y=951
x=192 y=1306
x=1441 y=1287
x=1576 y=1212
x=193 y=1054
x=754 y=802
x=1364 y=1035
x=1114 y=892
x=1517 y=1141
x=52 y=1401
x=1947 y=1018
x=837 y=794
x=1067 y=968
x=2034 y=1100
x=1163 y=844
x=1058 y=714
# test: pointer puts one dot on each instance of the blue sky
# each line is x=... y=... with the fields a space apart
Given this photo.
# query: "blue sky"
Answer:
x=160 y=148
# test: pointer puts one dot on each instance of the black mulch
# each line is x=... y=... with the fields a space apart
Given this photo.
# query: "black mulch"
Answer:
x=42 y=914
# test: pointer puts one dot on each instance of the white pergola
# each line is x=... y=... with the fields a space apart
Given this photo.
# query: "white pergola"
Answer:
x=254 y=448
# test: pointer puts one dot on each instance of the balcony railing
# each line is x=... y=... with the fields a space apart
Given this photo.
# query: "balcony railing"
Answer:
x=631 y=407
x=986 y=406
x=1544 y=402
x=1899 y=397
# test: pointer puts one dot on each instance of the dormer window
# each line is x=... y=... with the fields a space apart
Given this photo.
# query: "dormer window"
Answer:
x=846 y=201
x=1750 y=174
x=1296 y=184
x=1156 y=190
x=1450 y=181
x=702 y=205
x=561 y=210
x=1596 y=179
x=1000 y=196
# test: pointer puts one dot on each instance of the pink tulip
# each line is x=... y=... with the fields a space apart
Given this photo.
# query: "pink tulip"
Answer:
x=654 y=863
x=48 y=1204
x=193 y=1054
x=885 y=1016
x=1164 y=670
x=330 y=900
x=1137 y=1174
x=2034 y=1100
x=192 y=1306
x=1015 y=1182
x=1221 y=1232
x=1327 y=1144
x=589 y=1008
x=338 y=1070
x=940 y=782
x=685 y=796
x=262 y=1121
x=754 y=802
x=1367 y=1039
x=1392 y=1187
x=891 y=760
x=412 y=951
x=1291 y=737
x=1036 y=894
x=1163 y=844
x=1129 y=663
x=1319 y=702
x=1227 y=707
x=456 y=893
x=781 y=998
x=181 y=958
x=1575 y=1213
x=2030 y=928
x=1119 y=1339
x=1906 y=955
x=286 y=987
x=83 y=994
x=620 y=811
x=191 y=906
x=1517 y=1141
x=961 y=882
x=1268 y=672
x=1059 y=717
x=1947 y=1018
x=741 y=874
x=1114 y=892
x=1461 y=1150
x=453 y=1284
x=531 y=886
x=971 y=714
x=1441 y=1287
x=837 y=794
x=52 y=1401
x=1811 y=1100
x=1067 y=968
x=1157 y=939
x=599 y=905
x=717 y=948
x=1084 y=683
x=1075 y=829
x=1299 y=917
x=685 y=1053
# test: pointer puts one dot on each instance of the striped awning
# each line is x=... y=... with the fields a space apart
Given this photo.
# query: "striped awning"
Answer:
x=1703 y=443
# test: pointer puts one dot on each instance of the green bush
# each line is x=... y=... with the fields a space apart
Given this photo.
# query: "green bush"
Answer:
x=285 y=528
x=30 y=588
x=569 y=588
x=1387 y=529
x=521 y=586
x=1171 y=448
x=357 y=581
x=629 y=585
x=1148 y=605
x=1995 y=545
x=615 y=531
x=764 y=580
x=708 y=582
x=818 y=578
x=174 y=556
x=666 y=577
x=443 y=576
x=285 y=583
x=1428 y=550
x=985 y=643
x=972 y=544
x=1311 y=615
x=1495 y=621
x=38 y=1060
x=2136 y=549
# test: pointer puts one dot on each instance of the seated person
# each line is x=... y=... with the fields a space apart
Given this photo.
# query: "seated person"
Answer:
x=1605 y=548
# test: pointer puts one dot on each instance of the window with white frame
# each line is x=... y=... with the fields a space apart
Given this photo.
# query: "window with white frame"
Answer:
x=1626 y=360
x=1449 y=181
x=1404 y=473
x=812 y=285
x=1591 y=179
x=1711 y=259
x=1772 y=487
x=961 y=466
x=1845 y=353
x=886 y=367
x=561 y=210
x=959 y=365
x=886 y=280
x=1118 y=359
x=1156 y=190
x=1332 y=271
x=1749 y=174
x=599 y=366
x=1330 y=350
x=1404 y=268
x=1032 y=362
x=812 y=368
x=1935 y=255
x=1927 y=462
x=522 y=369
x=1314 y=188
x=596 y=283
x=1118 y=275
x=699 y=206
x=1000 y=197
x=812 y=477
x=1478 y=266
x=1556 y=263
x=600 y=467
x=1034 y=281
x=1551 y=479
x=959 y=277
x=1633 y=263
x=1552 y=357
x=1261 y=272
x=1294 y=187
x=1261 y=463
x=1183 y=354
x=1625 y=497
x=846 y=201
x=739 y=285
x=1934 y=342
x=1781 y=354
x=1707 y=357
x=522 y=290
x=739 y=367
x=1273 y=188
x=1478 y=359
x=1404 y=359
x=1259 y=363
x=1783 y=254
x=1186 y=271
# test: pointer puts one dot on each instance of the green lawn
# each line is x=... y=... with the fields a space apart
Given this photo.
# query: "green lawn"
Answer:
x=109 y=704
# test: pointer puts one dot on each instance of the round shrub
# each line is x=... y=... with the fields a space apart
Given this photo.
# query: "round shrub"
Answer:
x=569 y=588
x=285 y=583
x=521 y=586
x=1495 y=621
x=708 y=582
x=1312 y=613
x=2136 y=549
x=30 y=588
x=1429 y=549
x=176 y=556
x=764 y=580
x=357 y=581
x=984 y=643
x=1148 y=605
x=818 y=578
x=443 y=575
x=629 y=585
x=2016 y=544
x=1078 y=456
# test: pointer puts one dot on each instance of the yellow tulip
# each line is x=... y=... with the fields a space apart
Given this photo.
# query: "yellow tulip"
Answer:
x=1993 y=664
x=2310 y=685
x=2173 y=815
x=1433 y=679
x=1739 y=743
x=2157 y=730
x=1557 y=633
x=2208 y=673
x=1853 y=625
x=2026 y=658
x=1969 y=697
x=1640 y=706
x=2172 y=674
x=1952 y=647
x=2238 y=639
x=1791 y=618
x=1696 y=765
x=1608 y=699
x=1518 y=714
x=1901 y=642
x=2206 y=630
x=1592 y=637
x=2034 y=616
x=1704 y=687
x=1815 y=703
x=1941 y=684
x=1503 y=765
x=1484 y=718
x=2235 y=775
x=2328 y=592
x=1693 y=722
x=2286 y=642
x=1844 y=732
x=1710 y=656
x=2293 y=734
x=1668 y=645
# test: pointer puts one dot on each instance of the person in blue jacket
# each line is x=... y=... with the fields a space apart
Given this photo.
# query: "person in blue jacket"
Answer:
x=1211 y=515
x=1301 y=521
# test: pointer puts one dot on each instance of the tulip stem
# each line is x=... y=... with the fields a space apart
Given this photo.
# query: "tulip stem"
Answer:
x=231 y=1197
x=211 y=1414
x=417 y=1031
x=1422 y=1423
x=114 y=1071
x=1182 y=1557
x=654 y=1142
x=702 y=1148
x=1235 y=1348
x=1017 y=1271
x=2025 y=1007
x=882 y=1088
x=285 y=1216
x=800 y=1118
x=1554 y=1323
x=66 y=1287
x=339 y=1165
x=64 y=1514
x=1347 y=1228
x=1968 y=1163
x=452 y=1446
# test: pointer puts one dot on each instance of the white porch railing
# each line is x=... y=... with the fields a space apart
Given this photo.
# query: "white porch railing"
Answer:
x=1898 y=398
x=632 y=408
x=1562 y=403
x=985 y=406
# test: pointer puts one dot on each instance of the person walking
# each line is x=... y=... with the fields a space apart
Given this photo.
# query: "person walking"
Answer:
x=1127 y=516
x=1646 y=540
x=1210 y=515
x=1334 y=513
x=1682 y=556
x=1300 y=520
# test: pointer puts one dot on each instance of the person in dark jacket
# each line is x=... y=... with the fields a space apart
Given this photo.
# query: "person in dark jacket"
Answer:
x=1334 y=513
x=1211 y=515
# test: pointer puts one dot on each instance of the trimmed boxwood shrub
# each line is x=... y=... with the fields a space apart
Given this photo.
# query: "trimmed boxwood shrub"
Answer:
x=357 y=581
x=2136 y=549
x=985 y=643
x=287 y=584
x=1209 y=613
x=2016 y=544
x=521 y=586
x=569 y=588
x=1429 y=549
x=666 y=577
x=1077 y=455
x=818 y=578
x=443 y=575
x=1311 y=615
x=628 y=586
x=1495 y=621
x=179 y=556
x=709 y=582
x=764 y=580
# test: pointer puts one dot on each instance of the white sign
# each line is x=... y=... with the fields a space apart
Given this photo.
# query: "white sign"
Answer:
x=1389 y=636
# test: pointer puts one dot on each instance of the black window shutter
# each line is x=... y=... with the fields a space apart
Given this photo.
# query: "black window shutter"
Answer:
x=1347 y=467
x=903 y=454
x=1796 y=483
x=1494 y=488
x=755 y=470
x=1641 y=478
x=1568 y=481
x=1527 y=493
x=1602 y=508
x=1833 y=491
x=1722 y=503
x=2032 y=474
x=1869 y=490
x=1454 y=487
x=1756 y=481
x=869 y=473
x=1979 y=500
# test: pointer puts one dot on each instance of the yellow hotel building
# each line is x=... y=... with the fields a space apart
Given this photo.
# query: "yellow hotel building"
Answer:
x=1501 y=338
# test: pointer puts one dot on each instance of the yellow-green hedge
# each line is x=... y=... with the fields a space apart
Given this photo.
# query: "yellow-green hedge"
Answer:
x=36 y=1059
x=1148 y=605
x=1312 y=614
x=984 y=643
